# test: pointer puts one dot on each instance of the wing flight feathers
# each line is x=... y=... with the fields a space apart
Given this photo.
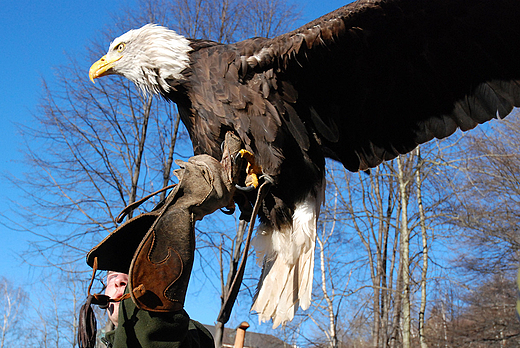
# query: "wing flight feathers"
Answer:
x=391 y=74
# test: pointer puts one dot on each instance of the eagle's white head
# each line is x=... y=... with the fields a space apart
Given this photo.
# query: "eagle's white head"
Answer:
x=149 y=57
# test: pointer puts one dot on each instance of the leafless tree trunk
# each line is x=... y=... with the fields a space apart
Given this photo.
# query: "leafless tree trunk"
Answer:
x=405 y=254
x=375 y=240
x=398 y=300
x=331 y=333
x=424 y=237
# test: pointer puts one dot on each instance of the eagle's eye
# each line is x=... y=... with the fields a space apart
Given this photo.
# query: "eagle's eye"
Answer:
x=120 y=47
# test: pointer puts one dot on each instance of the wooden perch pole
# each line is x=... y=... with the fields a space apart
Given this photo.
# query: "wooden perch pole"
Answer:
x=241 y=334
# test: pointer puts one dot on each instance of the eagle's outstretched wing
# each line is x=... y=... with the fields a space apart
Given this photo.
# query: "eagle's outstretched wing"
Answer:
x=376 y=78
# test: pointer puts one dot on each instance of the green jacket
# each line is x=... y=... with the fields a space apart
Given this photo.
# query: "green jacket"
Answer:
x=138 y=328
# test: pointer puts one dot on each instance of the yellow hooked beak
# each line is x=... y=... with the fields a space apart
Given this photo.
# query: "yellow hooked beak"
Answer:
x=102 y=67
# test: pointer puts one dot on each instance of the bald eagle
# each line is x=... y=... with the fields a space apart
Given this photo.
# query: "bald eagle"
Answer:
x=360 y=85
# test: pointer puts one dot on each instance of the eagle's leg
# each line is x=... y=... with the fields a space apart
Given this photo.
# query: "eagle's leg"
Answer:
x=252 y=170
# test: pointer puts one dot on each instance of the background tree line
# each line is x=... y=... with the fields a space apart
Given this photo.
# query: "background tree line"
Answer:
x=420 y=251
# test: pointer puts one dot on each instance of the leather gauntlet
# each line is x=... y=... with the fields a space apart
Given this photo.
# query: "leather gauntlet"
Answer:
x=156 y=249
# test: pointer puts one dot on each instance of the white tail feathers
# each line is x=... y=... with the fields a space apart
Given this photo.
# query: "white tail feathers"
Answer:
x=288 y=263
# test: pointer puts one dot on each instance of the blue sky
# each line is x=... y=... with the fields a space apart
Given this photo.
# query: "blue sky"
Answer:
x=35 y=38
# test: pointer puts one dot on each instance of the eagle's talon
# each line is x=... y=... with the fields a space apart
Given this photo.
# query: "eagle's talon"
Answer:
x=237 y=156
x=245 y=188
x=227 y=210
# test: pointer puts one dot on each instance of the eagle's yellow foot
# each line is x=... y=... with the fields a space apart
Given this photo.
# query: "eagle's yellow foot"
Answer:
x=252 y=169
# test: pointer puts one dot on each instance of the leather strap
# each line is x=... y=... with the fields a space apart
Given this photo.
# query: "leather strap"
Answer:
x=231 y=296
x=136 y=204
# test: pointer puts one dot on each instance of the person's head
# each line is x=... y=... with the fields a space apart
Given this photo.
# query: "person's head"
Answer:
x=116 y=283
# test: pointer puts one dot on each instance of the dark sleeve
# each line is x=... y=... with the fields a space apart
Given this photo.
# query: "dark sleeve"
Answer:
x=140 y=328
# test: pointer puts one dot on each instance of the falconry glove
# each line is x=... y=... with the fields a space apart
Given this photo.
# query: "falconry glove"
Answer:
x=156 y=249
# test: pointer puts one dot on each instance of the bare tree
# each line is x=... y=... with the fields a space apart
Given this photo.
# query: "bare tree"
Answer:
x=92 y=154
x=13 y=301
x=484 y=207
x=481 y=214
x=334 y=272
x=482 y=317
x=424 y=237
x=54 y=312
x=405 y=254
x=368 y=213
